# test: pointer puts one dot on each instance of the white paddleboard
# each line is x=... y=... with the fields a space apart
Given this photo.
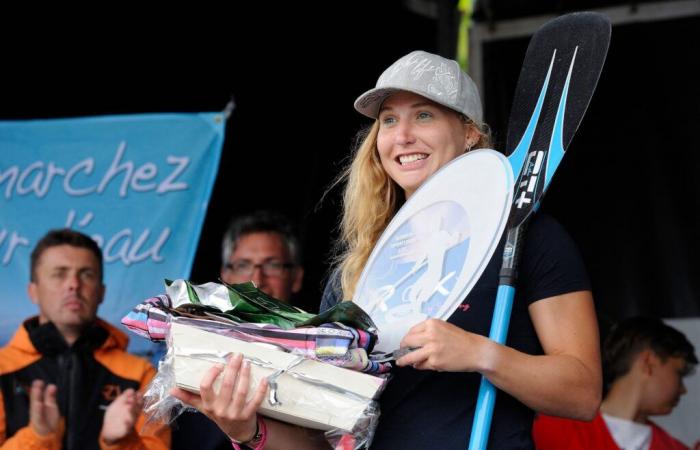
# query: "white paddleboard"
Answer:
x=437 y=246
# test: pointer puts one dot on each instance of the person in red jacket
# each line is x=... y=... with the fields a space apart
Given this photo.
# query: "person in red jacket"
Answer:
x=66 y=381
x=644 y=362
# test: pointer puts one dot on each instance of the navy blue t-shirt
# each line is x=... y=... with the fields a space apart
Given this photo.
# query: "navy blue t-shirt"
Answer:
x=422 y=409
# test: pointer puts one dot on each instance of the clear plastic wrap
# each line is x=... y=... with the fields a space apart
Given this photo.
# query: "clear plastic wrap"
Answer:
x=302 y=391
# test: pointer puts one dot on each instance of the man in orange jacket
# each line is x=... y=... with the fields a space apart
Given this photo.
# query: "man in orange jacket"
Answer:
x=644 y=362
x=66 y=380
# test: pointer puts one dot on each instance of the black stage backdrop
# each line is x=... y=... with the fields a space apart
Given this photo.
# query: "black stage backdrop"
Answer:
x=627 y=191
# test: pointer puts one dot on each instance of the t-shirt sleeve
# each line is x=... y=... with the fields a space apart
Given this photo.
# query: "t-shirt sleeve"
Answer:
x=332 y=293
x=552 y=264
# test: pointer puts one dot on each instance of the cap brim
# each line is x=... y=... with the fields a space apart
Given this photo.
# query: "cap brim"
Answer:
x=371 y=101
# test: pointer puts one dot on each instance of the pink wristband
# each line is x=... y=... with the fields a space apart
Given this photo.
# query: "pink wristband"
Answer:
x=258 y=441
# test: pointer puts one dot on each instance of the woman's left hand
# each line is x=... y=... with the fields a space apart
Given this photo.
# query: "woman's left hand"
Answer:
x=442 y=347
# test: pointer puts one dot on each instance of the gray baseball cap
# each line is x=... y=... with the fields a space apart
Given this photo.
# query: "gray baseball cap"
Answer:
x=431 y=76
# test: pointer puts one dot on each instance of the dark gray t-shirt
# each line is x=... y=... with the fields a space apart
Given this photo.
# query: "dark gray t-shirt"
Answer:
x=429 y=410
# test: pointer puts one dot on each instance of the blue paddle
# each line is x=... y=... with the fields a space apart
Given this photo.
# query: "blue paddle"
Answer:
x=560 y=72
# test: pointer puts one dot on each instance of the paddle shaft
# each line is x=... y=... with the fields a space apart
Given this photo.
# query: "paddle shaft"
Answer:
x=486 y=399
x=538 y=124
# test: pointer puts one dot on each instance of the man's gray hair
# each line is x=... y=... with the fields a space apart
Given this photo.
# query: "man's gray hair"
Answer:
x=263 y=221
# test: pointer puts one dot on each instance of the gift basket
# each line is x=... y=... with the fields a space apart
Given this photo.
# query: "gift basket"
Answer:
x=319 y=370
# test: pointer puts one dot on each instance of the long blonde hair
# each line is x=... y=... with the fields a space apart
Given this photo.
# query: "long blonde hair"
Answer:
x=370 y=200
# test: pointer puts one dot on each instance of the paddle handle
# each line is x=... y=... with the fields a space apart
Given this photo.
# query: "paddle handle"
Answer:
x=487 y=392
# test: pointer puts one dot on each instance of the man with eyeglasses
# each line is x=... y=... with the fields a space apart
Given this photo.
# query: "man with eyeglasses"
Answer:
x=262 y=247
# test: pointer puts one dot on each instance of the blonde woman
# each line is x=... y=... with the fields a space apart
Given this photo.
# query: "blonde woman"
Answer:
x=427 y=112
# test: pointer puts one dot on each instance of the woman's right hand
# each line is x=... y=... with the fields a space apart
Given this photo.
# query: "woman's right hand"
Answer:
x=228 y=408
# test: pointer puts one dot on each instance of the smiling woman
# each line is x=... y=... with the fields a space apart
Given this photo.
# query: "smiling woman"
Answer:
x=417 y=136
x=427 y=112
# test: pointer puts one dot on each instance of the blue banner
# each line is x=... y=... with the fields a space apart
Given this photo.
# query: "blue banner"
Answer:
x=138 y=184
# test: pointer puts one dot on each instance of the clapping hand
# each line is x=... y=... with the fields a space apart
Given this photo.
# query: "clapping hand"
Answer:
x=44 y=416
x=121 y=415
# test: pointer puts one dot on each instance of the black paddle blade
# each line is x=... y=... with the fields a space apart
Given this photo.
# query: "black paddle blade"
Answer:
x=560 y=72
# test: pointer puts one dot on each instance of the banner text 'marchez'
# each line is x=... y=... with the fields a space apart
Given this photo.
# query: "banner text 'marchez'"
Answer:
x=38 y=177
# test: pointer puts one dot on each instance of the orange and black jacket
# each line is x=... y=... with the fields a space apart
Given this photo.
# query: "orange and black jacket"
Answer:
x=89 y=375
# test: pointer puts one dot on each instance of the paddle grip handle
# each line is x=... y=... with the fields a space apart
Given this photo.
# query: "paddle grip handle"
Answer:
x=487 y=392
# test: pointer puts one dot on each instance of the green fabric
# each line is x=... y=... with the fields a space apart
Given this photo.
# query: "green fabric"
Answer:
x=250 y=304
x=347 y=313
x=194 y=298
x=265 y=309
